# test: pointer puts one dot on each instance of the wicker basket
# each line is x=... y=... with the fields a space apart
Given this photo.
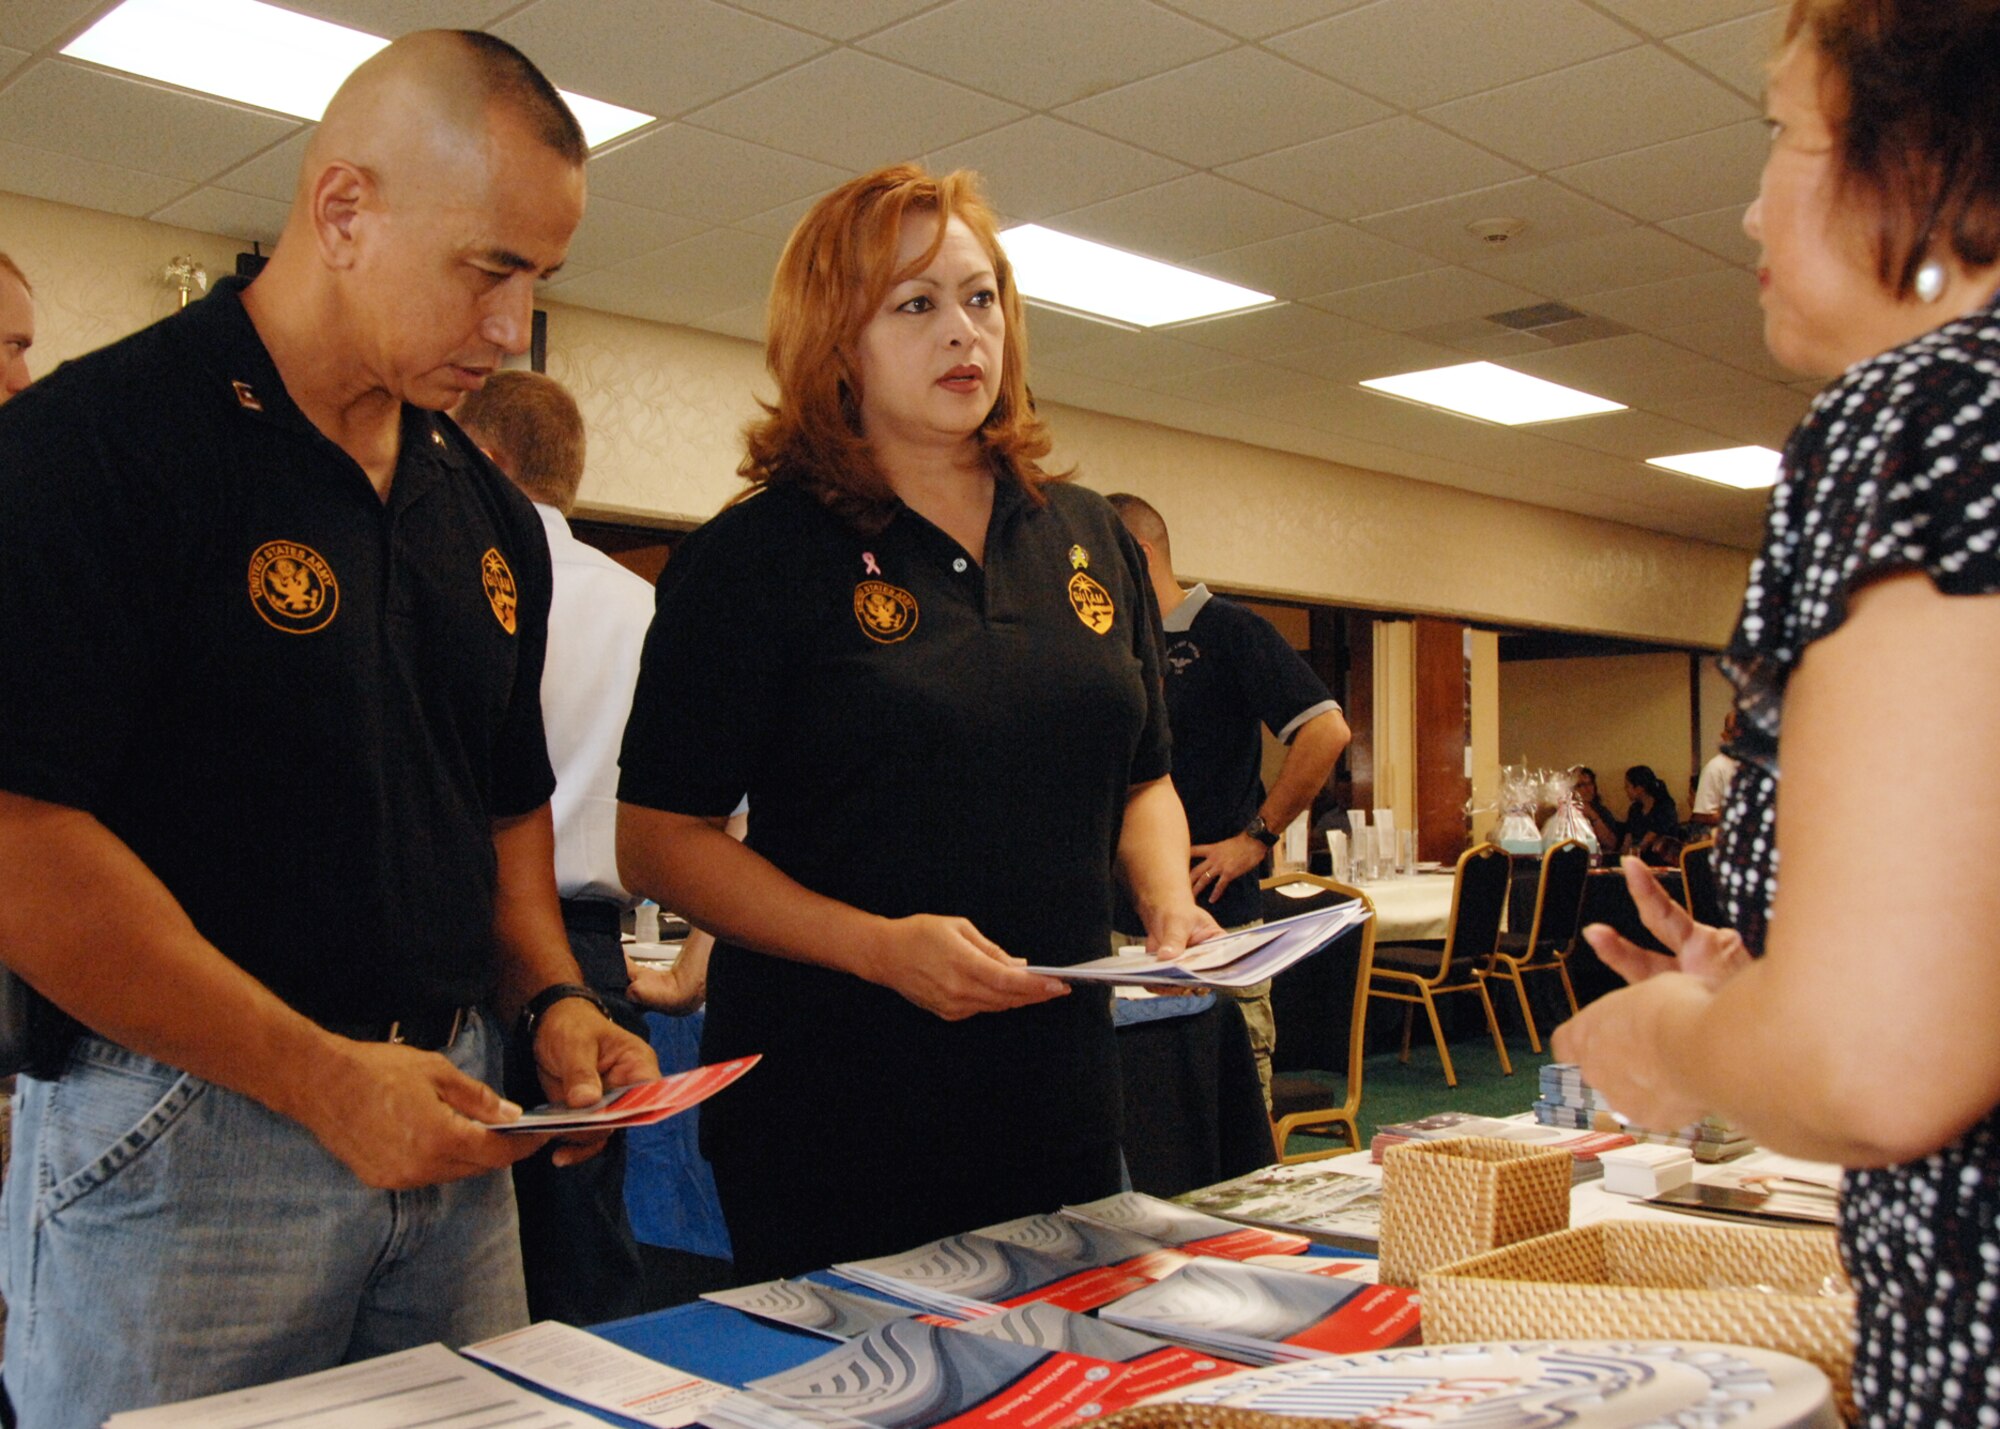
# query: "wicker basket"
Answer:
x=1774 y=1289
x=1445 y=1200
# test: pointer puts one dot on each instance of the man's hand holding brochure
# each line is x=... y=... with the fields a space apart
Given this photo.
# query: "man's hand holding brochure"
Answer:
x=1232 y=960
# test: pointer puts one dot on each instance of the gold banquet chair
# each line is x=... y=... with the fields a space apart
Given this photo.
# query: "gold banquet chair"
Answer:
x=1298 y=1099
x=1546 y=946
x=1698 y=890
x=1416 y=975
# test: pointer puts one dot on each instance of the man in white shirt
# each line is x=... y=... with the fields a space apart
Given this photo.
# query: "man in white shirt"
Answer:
x=576 y=1240
x=1712 y=792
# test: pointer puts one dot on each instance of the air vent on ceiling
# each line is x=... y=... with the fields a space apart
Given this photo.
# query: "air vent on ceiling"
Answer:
x=1541 y=315
x=1521 y=332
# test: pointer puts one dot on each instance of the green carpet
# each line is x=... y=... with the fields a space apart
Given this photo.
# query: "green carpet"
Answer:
x=1392 y=1091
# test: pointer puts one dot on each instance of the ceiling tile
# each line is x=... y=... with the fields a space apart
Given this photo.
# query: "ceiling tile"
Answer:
x=90 y=114
x=31 y=24
x=1675 y=17
x=1440 y=295
x=1041 y=166
x=1737 y=340
x=1554 y=216
x=10 y=60
x=399 y=17
x=1636 y=435
x=710 y=273
x=65 y=178
x=1678 y=302
x=1052 y=331
x=1465 y=45
x=1266 y=332
x=1604 y=367
x=1138 y=359
x=1622 y=101
x=701 y=174
x=1254 y=19
x=1042 y=53
x=1622 y=259
x=1239 y=382
x=1737 y=53
x=778 y=222
x=244 y=217
x=612 y=233
x=1764 y=413
x=836 y=19
x=1679 y=177
x=1369 y=357
x=1185 y=217
x=1395 y=164
x=273 y=174
x=746 y=322
x=1319 y=260
x=618 y=55
x=855 y=111
x=1227 y=107
x=1720 y=231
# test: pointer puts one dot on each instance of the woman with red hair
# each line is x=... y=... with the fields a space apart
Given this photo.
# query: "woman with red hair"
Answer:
x=1849 y=1012
x=932 y=666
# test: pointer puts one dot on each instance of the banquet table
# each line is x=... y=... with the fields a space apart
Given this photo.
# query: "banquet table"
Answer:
x=1410 y=907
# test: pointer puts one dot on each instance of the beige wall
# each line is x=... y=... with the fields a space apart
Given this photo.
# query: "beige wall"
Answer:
x=665 y=406
x=1609 y=712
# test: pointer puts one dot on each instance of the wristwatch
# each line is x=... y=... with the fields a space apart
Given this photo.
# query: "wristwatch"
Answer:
x=541 y=1002
x=1262 y=832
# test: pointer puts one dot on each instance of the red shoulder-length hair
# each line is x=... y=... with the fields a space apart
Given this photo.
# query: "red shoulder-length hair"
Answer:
x=837 y=269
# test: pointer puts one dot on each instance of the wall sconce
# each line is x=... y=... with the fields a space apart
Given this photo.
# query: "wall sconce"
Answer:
x=186 y=277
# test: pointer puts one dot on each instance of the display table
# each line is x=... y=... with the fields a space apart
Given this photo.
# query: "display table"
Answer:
x=1411 y=908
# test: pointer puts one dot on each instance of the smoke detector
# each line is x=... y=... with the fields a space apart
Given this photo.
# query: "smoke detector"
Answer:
x=1496 y=230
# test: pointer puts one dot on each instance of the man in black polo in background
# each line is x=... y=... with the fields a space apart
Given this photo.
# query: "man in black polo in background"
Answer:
x=1227 y=672
x=274 y=824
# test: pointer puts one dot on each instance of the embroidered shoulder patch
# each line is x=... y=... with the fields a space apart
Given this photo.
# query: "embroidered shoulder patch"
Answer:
x=498 y=581
x=1092 y=603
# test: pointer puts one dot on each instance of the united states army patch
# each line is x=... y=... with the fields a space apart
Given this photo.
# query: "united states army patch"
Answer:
x=1091 y=602
x=498 y=581
x=886 y=613
x=292 y=587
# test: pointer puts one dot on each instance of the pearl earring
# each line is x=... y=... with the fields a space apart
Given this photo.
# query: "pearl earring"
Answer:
x=1930 y=280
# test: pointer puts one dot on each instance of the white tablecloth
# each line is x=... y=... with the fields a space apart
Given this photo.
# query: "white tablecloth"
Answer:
x=1411 y=908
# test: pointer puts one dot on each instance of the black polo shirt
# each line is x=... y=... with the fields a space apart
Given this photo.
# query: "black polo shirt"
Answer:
x=1228 y=671
x=300 y=706
x=917 y=733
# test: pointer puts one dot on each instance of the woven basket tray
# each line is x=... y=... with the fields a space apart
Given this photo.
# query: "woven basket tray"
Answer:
x=1445 y=1200
x=1779 y=1290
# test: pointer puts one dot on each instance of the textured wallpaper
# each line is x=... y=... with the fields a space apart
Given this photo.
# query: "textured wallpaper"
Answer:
x=666 y=406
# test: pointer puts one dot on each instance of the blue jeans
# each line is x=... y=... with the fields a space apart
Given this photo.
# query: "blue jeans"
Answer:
x=166 y=1239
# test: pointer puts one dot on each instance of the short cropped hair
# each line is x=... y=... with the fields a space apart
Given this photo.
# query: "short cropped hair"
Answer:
x=1143 y=520
x=513 y=83
x=1913 y=90
x=8 y=265
x=838 y=266
x=533 y=428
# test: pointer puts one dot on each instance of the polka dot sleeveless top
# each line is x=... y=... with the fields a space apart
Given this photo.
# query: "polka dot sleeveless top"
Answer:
x=1896 y=468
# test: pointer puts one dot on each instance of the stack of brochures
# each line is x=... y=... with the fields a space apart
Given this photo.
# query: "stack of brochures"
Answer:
x=1582 y=1145
x=1232 y=960
x=809 y=1306
x=1151 y=1366
x=1566 y=1101
x=1184 y=1228
x=1077 y=1266
x=1307 y=1196
x=1266 y=1316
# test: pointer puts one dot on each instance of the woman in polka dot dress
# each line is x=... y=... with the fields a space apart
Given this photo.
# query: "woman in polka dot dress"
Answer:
x=1856 y=1018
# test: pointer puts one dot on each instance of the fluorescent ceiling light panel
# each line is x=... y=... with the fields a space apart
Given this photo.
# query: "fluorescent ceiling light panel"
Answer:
x=1088 y=277
x=1749 y=468
x=1493 y=394
x=258 y=54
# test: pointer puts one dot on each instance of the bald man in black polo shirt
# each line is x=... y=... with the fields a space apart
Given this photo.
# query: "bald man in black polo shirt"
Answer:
x=274 y=828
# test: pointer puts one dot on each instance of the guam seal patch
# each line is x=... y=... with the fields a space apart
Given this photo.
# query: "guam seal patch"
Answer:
x=1092 y=603
x=498 y=581
x=292 y=587
x=886 y=613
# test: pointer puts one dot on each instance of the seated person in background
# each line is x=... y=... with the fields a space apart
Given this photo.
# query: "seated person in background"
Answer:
x=1653 y=822
x=1712 y=791
x=17 y=327
x=1610 y=833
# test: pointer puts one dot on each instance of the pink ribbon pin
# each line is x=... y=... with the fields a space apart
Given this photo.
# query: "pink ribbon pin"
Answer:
x=868 y=564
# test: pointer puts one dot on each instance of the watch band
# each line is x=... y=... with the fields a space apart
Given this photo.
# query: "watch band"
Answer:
x=1261 y=831
x=548 y=997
